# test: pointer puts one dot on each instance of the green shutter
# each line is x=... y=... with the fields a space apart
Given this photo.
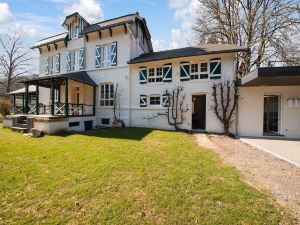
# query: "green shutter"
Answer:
x=215 y=69
x=81 y=58
x=47 y=65
x=143 y=75
x=165 y=100
x=167 y=73
x=98 y=56
x=57 y=63
x=113 y=54
x=68 y=65
x=184 y=71
x=143 y=100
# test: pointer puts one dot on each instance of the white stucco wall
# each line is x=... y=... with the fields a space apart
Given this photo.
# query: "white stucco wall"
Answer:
x=251 y=111
x=191 y=87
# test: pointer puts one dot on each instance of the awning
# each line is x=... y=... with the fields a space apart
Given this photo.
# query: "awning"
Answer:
x=31 y=89
x=45 y=81
x=272 y=76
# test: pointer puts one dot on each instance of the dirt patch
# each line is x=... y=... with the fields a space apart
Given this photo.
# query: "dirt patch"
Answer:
x=259 y=169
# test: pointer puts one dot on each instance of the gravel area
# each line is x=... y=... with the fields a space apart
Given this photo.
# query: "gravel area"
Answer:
x=260 y=169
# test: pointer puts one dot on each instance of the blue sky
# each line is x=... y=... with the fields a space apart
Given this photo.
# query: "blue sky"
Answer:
x=169 y=21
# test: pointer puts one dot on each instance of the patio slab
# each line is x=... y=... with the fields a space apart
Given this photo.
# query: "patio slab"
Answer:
x=288 y=150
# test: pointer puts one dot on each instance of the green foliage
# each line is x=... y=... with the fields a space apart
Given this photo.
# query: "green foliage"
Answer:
x=123 y=176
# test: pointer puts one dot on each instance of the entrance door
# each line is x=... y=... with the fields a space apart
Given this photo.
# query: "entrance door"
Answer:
x=271 y=113
x=199 y=112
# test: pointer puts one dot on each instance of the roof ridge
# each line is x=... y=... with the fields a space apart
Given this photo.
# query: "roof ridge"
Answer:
x=131 y=14
x=52 y=36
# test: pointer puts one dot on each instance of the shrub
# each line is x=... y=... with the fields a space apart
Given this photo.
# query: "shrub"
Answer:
x=4 y=107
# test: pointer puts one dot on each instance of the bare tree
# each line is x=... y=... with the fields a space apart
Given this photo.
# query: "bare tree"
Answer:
x=268 y=27
x=225 y=99
x=173 y=101
x=116 y=109
x=15 y=60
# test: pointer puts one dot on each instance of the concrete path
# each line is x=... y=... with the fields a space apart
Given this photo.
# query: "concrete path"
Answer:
x=288 y=150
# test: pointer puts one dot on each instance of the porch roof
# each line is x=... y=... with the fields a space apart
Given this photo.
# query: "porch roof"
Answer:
x=31 y=89
x=81 y=76
x=272 y=76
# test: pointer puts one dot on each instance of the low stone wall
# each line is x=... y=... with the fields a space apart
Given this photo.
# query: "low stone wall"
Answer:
x=51 y=125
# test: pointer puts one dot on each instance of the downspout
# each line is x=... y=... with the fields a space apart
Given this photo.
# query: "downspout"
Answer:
x=130 y=56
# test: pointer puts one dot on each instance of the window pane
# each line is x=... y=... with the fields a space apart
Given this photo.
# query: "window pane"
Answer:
x=203 y=67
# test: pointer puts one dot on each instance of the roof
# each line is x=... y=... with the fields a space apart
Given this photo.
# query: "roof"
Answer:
x=112 y=22
x=206 y=49
x=50 y=40
x=81 y=76
x=74 y=14
x=31 y=89
x=272 y=76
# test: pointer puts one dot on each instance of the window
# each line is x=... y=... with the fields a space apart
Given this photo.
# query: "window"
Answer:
x=155 y=75
x=155 y=100
x=106 y=55
x=199 y=71
x=107 y=94
x=105 y=121
x=75 y=65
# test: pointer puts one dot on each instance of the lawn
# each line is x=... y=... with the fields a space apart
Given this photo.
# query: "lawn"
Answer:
x=123 y=176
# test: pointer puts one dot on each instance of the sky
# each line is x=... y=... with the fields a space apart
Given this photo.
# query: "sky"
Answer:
x=169 y=21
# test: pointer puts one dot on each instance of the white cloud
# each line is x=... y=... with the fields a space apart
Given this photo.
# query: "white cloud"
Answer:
x=185 y=13
x=90 y=9
x=158 y=44
x=5 y=14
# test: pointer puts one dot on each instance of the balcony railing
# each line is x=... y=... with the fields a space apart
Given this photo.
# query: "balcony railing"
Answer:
x=59 y=109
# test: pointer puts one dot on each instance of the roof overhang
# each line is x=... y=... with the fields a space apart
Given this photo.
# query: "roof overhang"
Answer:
x=31 y=89
x=45 y=81
x=51 y=40
x=187 y=52
x=272 y=76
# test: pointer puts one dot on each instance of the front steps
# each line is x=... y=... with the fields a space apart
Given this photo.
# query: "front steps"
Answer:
x=20 y=124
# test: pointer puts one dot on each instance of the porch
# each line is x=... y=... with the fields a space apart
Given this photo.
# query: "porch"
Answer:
x=46 y=96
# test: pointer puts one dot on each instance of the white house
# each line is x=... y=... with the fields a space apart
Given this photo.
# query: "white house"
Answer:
x=88 y=61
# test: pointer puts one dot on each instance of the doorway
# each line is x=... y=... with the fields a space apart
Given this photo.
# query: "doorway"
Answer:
x=271 y=114
x=199 y=112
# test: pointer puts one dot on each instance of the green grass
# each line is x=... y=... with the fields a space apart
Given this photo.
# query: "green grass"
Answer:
x=123 y=176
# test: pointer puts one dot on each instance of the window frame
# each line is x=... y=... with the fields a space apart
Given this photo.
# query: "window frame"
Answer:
x=155 y=96
x=199 y=73
x=156 y=78
x=102 y=97
x=106 y=49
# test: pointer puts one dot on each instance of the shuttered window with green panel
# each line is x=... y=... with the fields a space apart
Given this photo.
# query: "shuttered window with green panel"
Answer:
x=167 y=73
x=215 y=68
x=184 y=71
x=143 y=75
x=143 y=100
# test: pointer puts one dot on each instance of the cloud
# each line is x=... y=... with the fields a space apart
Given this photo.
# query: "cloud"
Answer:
x=5 y=14
x=91 y=10
x=185 y=13
x=158 y=44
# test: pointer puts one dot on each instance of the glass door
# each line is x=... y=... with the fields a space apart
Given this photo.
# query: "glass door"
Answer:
x=271 y=114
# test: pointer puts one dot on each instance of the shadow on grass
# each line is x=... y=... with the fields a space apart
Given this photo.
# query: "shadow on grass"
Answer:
x=115 y=133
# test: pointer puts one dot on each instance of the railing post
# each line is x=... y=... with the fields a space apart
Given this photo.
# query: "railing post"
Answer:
x=52 y=97
x=26 y=98
x=94 y=101
x=14 y=103
x=66 y=98
x=37 y=92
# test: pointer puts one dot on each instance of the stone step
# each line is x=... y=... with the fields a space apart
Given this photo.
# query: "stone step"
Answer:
x=19 y=129
x=22 y=125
